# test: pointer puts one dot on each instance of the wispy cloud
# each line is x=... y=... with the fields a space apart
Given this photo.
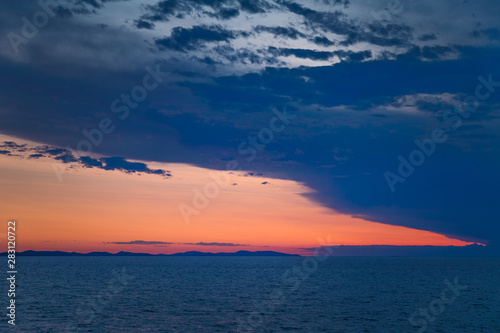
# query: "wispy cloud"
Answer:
x=66 y=156
x=141 y=242
x=215 y=244
x=161 y=243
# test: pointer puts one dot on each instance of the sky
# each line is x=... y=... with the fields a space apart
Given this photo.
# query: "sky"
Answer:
x=169 y=126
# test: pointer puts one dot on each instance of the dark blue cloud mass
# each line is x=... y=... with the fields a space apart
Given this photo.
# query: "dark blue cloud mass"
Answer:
x=353 y=96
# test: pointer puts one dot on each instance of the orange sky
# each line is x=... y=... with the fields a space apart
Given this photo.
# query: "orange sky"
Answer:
x=92 y=207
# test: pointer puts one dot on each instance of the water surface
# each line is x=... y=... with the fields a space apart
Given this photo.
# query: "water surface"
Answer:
x=274 y=294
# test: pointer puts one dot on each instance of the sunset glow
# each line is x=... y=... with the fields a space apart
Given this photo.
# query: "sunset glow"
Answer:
x=90 y=210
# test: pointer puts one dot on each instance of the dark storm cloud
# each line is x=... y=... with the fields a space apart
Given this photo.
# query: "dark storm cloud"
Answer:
x=255 y=6
x=221 y=9
x=115 y=163
x=162 y=10
x=119 y=163
x=380 y=34
x=13 y=146
x=376 y=33
x=226 y=13
x=83 y=7
x=93 y=3
x=183 y=39
x=435 y=52
x=353 y=56
x=387 y=34
x=342 y=84
x=244 y=55
x=90 y=162
x=302 y=53
x=142 y=24
x=427 y=200
x=53 y=151
x=281 y=31
x=492 y=33
x=427 y=37
x=322 y=41
x=63 y=12
x=66 y=156
x=349 y=129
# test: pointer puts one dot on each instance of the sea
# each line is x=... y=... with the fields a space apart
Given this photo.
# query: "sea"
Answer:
x=255 y=294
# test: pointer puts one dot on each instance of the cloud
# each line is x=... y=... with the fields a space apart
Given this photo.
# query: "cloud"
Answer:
x=141 y=242
x=493 y=34
x=322 y=41
x=120 y=164
x=184 y=39
x=66 y=156
x=222 y=9
x=337 y=22
x=353 y=56
x=226 y=13
x=302 y=53
x=214 y=244
x=435 y=52
x=90 y=162
x=229 y=78
x=142 y=24
x=14 y=146
x=255 y=6
x=53 y=151
x=427 y=37
x=281 y=31
x=161 y=243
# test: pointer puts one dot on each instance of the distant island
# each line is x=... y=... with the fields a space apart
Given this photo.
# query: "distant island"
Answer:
x=132 y=254
x=424 y=251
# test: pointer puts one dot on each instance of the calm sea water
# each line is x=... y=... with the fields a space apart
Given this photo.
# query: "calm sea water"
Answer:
x=195 y=294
